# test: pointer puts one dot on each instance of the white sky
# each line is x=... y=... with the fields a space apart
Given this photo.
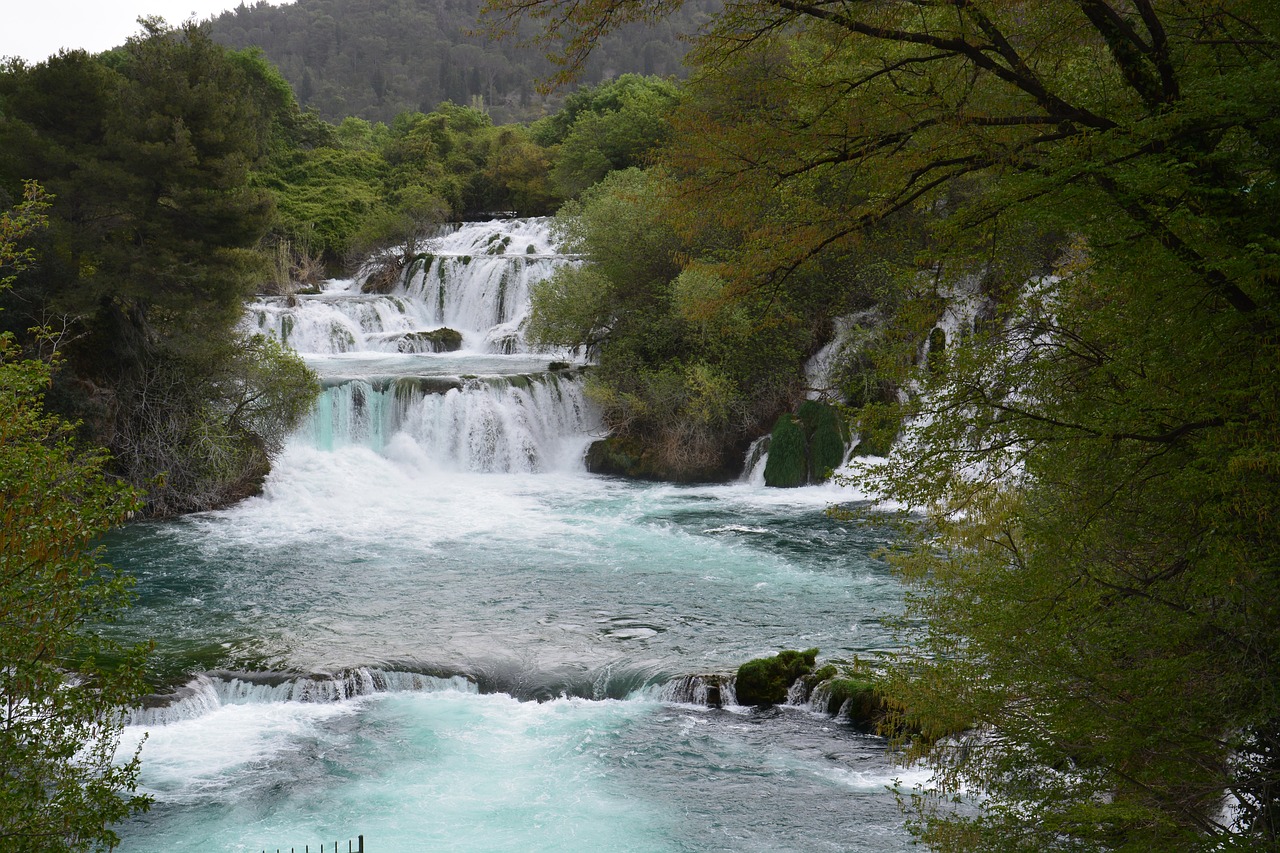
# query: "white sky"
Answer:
x=37 y=29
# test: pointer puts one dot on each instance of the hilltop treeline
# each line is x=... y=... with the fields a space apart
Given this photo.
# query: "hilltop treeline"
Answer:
x=374 y=59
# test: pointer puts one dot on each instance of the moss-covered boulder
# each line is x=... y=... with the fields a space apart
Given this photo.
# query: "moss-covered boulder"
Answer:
x=788 y=462
x=765 y=681
x=828 y=437
x=631 y=457
x=807 y=446
x=855 y=697
x=436 y=340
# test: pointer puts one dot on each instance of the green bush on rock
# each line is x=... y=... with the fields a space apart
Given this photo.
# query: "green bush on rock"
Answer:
x=806 y=447
x=765 y=681
x=436 y=340
x=858 y=697
x=788 y=464
x=828 y=438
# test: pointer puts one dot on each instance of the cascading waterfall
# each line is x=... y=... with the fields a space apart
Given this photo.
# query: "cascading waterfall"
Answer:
x=436 y=630
x=523 y=422
x=474 y=280
x=491 y=405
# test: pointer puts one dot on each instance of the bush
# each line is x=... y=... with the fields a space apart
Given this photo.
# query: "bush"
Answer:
x=828 y=438
x=788 y=464
x=765 y=681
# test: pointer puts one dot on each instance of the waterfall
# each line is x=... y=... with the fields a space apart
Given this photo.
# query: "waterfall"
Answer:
x=441 y=359
x=474 y=280
x=522 y=422
x=208 y=692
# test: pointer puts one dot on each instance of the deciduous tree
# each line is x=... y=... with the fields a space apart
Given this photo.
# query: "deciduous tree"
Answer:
x=63 y=684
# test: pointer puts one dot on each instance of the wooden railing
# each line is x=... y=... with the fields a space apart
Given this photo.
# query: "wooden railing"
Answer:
x=356 y=846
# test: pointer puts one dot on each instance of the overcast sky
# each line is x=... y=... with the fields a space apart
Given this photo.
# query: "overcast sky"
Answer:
x=37 y=29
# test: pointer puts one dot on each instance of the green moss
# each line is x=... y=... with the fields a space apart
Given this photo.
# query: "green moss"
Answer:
x=765 y=681
x=788 y=463
x=423 y=260
x=858 y=696
x=825 y=673
x=436 y=340
x=828 y=438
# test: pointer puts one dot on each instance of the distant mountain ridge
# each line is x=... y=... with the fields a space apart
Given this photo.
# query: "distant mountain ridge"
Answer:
x=375 y=59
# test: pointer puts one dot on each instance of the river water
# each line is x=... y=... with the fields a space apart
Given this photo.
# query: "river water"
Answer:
x=436 y=630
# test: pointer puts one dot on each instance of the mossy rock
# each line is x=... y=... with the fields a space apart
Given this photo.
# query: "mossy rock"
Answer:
x=788 y=464
x=859 y=698
x=410 y=386
x=436 y=340
x=421 y=260
x=765 y=681
x=559 y=365
x=828 y=436
x=632 y=457
x=620 y=457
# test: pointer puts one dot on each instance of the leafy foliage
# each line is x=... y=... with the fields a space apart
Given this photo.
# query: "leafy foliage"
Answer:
x=684 y=369
x=61 y=684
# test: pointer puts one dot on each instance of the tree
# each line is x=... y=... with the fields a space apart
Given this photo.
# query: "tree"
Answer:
x=62 y=683
x=687 y=375
x=152 y=246
x=1100 y=461
x=613 y=126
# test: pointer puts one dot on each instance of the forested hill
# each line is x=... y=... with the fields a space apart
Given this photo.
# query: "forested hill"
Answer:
x=377 y=58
